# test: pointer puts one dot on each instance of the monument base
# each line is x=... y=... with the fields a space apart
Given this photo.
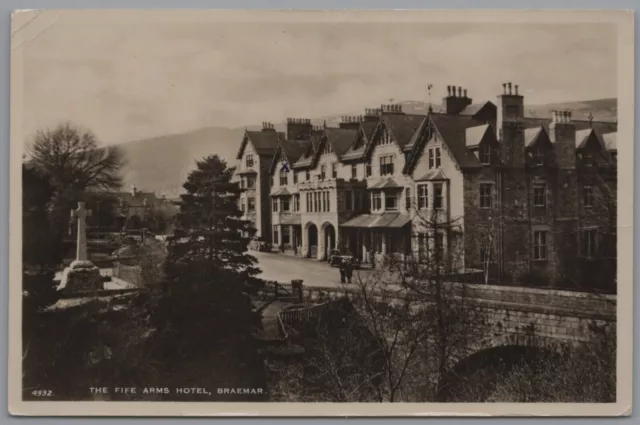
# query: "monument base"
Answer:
x=81 y=276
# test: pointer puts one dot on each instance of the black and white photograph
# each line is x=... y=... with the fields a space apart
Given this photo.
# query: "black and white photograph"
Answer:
x=321 y=213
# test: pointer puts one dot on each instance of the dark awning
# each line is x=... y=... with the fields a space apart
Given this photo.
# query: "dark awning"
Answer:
x=378 y=221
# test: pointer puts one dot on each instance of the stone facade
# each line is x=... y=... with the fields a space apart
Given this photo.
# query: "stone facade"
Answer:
x=489 y=187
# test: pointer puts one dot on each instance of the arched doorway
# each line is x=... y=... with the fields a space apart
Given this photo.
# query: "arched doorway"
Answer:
x=329 y=240
x=312 y=238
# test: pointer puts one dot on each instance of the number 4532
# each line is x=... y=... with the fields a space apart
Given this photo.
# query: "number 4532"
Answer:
x=42 y=393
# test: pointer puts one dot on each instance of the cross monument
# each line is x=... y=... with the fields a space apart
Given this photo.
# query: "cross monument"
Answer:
x=81 y=213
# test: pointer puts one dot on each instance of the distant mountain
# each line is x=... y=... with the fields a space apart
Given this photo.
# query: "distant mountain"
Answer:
x=161 y=164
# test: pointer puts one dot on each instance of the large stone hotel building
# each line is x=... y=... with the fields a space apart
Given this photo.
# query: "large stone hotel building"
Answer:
x=487 y=185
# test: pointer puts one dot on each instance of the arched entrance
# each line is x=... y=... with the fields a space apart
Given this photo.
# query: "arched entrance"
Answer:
x=312 y=241
x=329 y=240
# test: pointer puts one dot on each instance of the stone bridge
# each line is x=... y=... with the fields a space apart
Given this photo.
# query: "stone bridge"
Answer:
x=516 y=317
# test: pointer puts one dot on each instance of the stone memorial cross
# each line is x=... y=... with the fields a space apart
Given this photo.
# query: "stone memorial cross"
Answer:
x=81 y=214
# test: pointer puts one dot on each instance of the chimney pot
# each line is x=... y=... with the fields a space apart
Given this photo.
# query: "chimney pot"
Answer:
x=509 y=85
x=459 y=91
x=504 y=88
x=516 y=88
x=465 y=93
x=449 y=90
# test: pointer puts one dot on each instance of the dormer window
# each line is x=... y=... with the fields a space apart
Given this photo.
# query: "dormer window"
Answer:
x=327 y=148
x=485 y=154
x=538 y=156
x=323 y=172
x=334 y=170
x=386 y=138
x=249 y=161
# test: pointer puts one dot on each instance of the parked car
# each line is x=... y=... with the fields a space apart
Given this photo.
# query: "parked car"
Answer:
x=259 y=244
x=336 y=257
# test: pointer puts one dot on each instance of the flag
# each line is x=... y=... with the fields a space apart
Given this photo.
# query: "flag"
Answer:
x=285 y=167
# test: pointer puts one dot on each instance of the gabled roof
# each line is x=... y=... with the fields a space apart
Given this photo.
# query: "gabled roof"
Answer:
x=292 y=150
x=583 y=136
x=307 y=157
x=340 y=139
x=265 y=143
x=280 y=192
x=603 y=127
x=402 y=126
x=385 y=183
x=474 y=135
x=474 y=109
x=452 y=129
x=432 y=175
x=533 y=135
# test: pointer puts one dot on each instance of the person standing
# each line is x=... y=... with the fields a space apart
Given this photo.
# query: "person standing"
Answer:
x=342 y=270
x=348 y=269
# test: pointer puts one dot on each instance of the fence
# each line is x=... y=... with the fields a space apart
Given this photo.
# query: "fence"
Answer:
x=130 y=274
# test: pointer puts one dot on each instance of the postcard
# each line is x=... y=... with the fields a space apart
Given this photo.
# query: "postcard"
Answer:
x=321 y=213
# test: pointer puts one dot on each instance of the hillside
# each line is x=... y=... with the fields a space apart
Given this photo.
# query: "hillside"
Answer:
x=161 y=164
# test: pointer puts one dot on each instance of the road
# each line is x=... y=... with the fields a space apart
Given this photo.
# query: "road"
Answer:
x=285 y=268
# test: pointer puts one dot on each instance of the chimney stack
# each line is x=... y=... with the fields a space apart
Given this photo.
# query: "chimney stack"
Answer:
x=456 y=100
x=298 y=128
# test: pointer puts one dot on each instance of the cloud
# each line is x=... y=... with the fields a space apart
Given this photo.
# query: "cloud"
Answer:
x=129 y=79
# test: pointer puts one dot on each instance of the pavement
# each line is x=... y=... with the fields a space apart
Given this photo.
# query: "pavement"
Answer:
x=285 y=268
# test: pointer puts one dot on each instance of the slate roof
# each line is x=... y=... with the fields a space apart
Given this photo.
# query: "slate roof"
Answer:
x=340 y=139
x=402 y=126
x=452 y=129
x=385 y=183
x=281 y=192
x=531 y=135
x=603 y=127
x=384 y=220
x=293 y=149
x=432 y=175
x=265 y=143
x=474 y=135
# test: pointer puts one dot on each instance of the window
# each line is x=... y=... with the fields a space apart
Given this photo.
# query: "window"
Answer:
x=296 y=203
x=316 y=202
x=274 y=204
x=538 y=156
x=295 y=178
x=407 y=195
x=431 y=161
x=437 y=157
x=587 y=194
x=587 y=159
x=368 y=170
x=539 y=195
x=249 y=160
x=376 y=201
x=423 y=197
x=286 y=235
x=285 y=201
x=349 y=201
x=485 y=154
x=437 y=196
x=391 y=202
x=242 y=206
x=251 y=182
x=334 y=170
x=540 y=245
x=323 y=172
x=588 y=243
x=283 y=178
x=354 y=171
x=309 y=203
x=328 y=201
x=357 y=202
x=307 y=175
x=275 y=234
x=386 y=165
x=486 y=195
x=241 y=182
x=251 y=204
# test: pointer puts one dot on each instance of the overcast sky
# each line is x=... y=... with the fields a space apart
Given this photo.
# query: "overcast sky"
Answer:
x=131 y=78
